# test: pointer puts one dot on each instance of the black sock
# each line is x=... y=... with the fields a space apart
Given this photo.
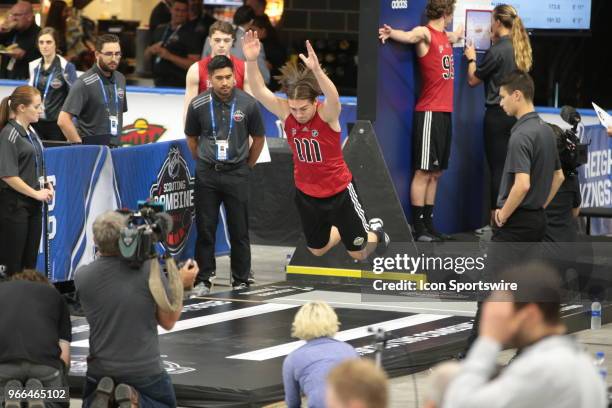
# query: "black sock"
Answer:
x=428 y=217
x=418 y=219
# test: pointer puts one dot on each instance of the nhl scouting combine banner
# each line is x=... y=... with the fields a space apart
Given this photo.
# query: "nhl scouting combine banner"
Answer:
x=165 y=173
x=84 y=187
x=596 y=176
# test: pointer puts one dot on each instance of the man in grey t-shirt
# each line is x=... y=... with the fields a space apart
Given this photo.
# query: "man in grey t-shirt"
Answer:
x=123 y=318
x=97 y=99
x=532 y=171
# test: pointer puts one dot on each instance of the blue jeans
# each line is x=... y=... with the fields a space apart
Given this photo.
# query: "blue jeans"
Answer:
x=155 y=391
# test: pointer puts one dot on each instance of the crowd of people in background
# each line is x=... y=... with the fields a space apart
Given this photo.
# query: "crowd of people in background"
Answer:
x=178 y=37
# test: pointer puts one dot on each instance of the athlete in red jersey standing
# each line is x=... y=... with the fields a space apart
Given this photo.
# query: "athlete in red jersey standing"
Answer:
x=326 y=198
x=221 y=39
x=432 y=117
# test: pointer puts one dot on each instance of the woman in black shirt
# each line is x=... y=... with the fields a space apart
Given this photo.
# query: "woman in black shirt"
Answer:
x=52 y=75
x=511 y=50
x=21 y=177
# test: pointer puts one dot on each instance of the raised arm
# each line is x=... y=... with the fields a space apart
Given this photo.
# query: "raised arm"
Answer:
x=251 y=47
x=330 y=109
x=457 y=35
x=414 y=36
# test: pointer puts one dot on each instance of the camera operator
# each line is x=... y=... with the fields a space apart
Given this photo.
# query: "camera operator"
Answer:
x=123 y=316
x=564 y=208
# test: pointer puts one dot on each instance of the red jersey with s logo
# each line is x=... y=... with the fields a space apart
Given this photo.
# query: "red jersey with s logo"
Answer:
x=319 y=168
x=437 y=75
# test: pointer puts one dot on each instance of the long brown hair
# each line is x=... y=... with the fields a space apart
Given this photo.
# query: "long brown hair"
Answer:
x=22 y=95
x=509 y=18
x=298 y=82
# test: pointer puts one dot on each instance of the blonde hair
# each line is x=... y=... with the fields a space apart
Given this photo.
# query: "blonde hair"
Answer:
x=509 y=18
x=314 y=320
x=360 y=380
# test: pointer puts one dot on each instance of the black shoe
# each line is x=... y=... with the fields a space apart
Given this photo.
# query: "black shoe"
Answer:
x=125 y=396
x=442 y=236
x=14 y=385
x=251 y=279
x=240 y=286
x=34 y=384
x=103 y=393
x=376 y=226
x=425 y=236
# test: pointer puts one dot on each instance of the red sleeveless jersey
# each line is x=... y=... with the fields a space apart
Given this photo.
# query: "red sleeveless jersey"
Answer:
x=437 y=75
x=203 y=71
x=319 y=168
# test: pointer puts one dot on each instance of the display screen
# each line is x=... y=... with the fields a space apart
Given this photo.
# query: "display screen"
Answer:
x=235 y=3
x=553 y=14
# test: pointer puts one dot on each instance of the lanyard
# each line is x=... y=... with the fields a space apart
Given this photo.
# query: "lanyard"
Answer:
x=49 y=78
x=106 y=98
x=36 y=152
x=214 y=123
x=167 y=38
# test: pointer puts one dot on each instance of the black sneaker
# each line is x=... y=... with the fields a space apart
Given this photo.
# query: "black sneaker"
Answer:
x=425 y=236
x=103 y=393
x=240 y=286
x=376 y=226
x=442 y=236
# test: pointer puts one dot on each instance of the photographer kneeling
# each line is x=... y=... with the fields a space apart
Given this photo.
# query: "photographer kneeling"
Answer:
x=120 y=304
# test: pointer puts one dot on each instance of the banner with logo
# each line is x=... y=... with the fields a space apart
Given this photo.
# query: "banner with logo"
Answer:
x=596 y=176
x=84 y=187
x=164 y=172
x=90 y=180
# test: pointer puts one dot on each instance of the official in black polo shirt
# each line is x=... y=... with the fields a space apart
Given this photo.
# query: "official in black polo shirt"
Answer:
x=97 y=99
x=531 y=178
x=21 y=30
x=511 y=50
x=53 y=76
x=218 y=125
x=174 y=48
x=532 y=170
x=21 y=174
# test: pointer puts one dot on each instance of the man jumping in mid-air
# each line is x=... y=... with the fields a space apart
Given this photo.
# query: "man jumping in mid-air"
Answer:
x=326 y=198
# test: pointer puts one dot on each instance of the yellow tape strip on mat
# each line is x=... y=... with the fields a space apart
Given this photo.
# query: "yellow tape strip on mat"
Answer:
x=353 y=273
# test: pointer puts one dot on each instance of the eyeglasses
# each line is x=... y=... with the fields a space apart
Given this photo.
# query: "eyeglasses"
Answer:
x=111 y=54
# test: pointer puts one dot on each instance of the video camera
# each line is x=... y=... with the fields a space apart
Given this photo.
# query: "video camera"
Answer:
x=145 y=228
x=572 y=153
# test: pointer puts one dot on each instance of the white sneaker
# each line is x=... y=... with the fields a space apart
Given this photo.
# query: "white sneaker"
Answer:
x=199 y=290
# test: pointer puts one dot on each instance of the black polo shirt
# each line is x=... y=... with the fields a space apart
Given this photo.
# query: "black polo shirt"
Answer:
x=246 y=121
x=35 y=318
x=27 y=41
x=86 y=101
x=20 y=155
x=181 y=41
x=58 y=88
x=497 y=63
x=532 y=149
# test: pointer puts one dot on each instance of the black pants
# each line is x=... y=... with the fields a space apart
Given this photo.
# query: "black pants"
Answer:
x=513 y=243
x=228 y=186
x=497 y=128
x=20 y=231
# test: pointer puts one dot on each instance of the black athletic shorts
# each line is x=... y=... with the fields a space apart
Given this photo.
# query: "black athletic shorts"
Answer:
x=343 y=210
x=431 y=140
